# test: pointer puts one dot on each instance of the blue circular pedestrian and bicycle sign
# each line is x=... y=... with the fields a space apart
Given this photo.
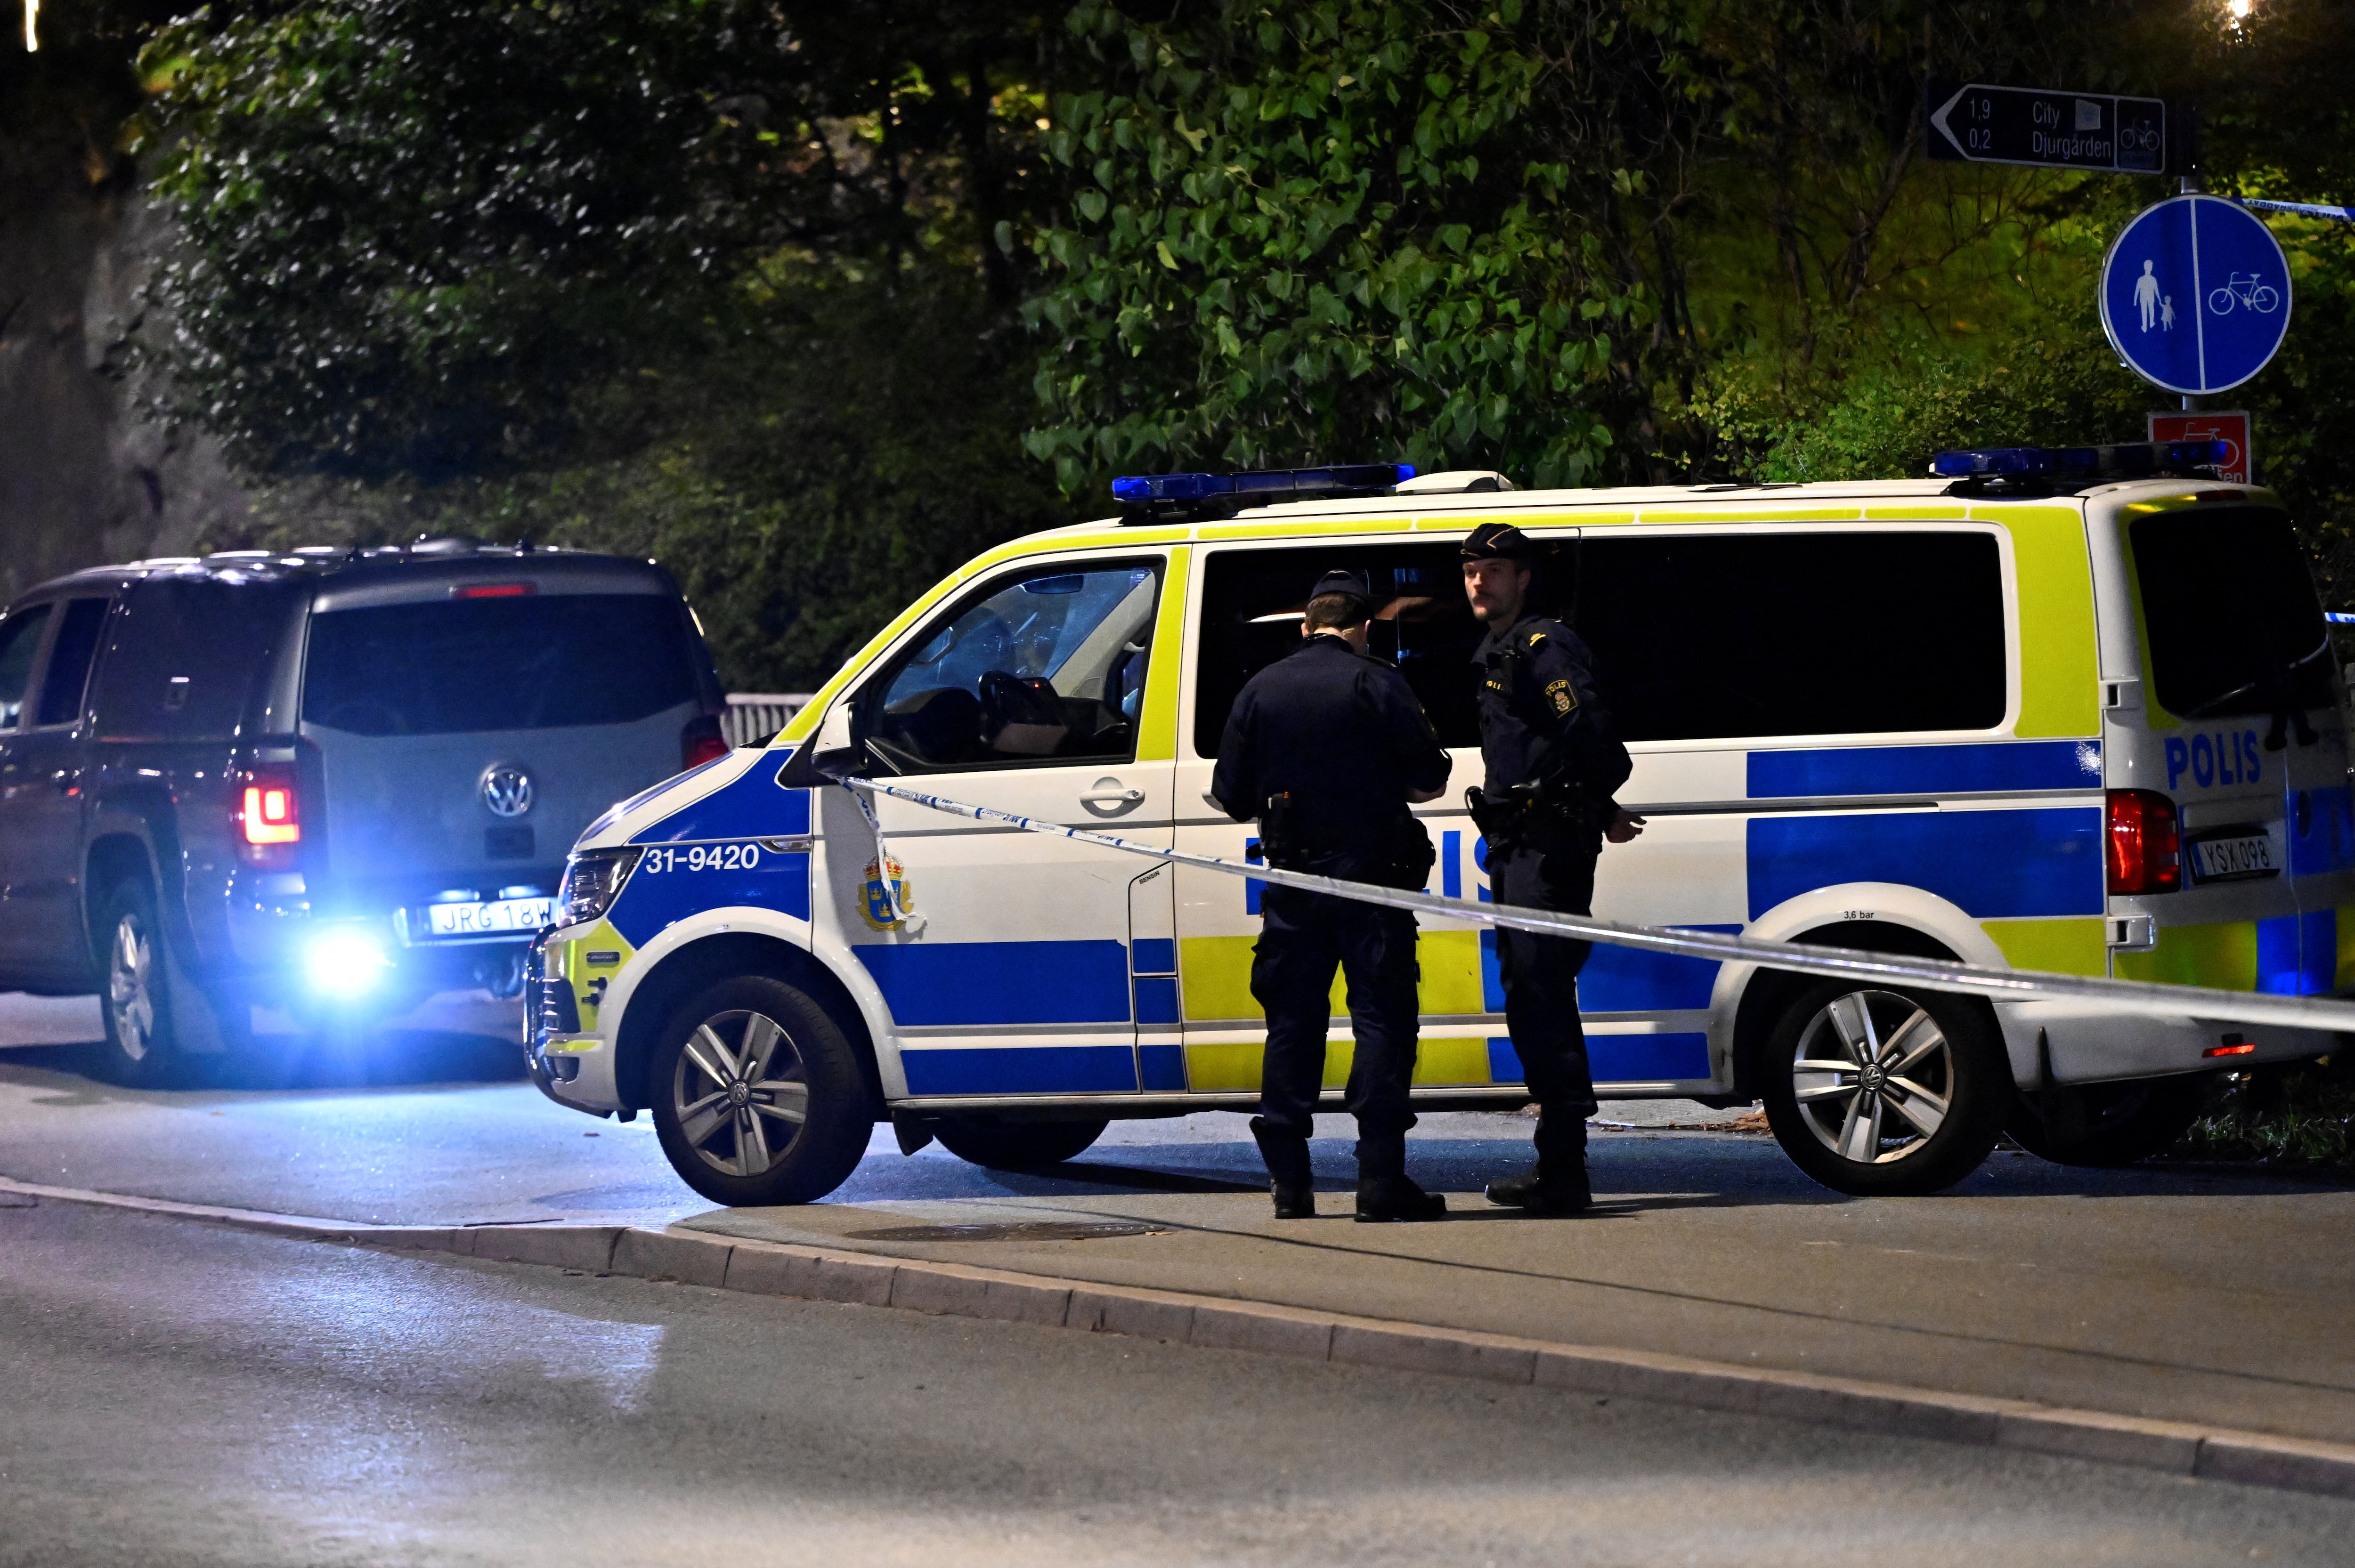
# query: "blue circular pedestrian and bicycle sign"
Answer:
x=2195 y=294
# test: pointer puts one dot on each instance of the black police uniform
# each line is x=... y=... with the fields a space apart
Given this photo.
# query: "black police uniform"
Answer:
x=1323 y=746
x=1552 y=763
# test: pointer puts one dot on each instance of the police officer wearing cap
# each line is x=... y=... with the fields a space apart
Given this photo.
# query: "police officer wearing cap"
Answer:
x=1326 y=747
x=1545 y=807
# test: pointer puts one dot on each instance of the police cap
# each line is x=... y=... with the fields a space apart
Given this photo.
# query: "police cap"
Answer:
x=1338 y=581
x=1500 y=541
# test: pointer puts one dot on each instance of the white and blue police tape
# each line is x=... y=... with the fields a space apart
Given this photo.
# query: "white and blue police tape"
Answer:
x=2303 y=208
x=1839 y=963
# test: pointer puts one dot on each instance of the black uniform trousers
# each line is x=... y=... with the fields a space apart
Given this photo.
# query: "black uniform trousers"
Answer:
x=1304 y=938
x=1540 y=981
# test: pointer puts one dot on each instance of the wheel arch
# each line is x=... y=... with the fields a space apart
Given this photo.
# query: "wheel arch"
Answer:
x=1766 y=992
x=708 y=960
x=111 y=858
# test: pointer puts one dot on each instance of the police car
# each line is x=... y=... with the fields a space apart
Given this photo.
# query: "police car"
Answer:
x=2067 y=712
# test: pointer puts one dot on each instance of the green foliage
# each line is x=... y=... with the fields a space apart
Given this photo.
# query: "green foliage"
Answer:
x=2299 y=1116
x=416 y=230
x=1314 y=233
x=832 y=461
x=1886 y=422
x=824 y=476
x=706 y=280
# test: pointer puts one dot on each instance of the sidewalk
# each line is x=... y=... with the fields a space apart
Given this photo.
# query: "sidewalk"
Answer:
x=2184 y=1296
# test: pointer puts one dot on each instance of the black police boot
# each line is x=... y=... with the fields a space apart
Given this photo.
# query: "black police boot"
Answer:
x=1545 y=1193
x=1289 y=1176
x=1386 y=1200
x=1557 y=1183
x=1386 y=1194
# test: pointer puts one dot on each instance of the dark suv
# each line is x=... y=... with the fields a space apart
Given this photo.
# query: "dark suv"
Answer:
x=329 y=782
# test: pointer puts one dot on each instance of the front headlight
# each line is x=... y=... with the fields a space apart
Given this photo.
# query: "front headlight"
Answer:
x=592 y=879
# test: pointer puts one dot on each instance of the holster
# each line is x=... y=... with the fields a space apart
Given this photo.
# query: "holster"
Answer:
x=1411 y=855
x=1498 y=820
x=1279 y=832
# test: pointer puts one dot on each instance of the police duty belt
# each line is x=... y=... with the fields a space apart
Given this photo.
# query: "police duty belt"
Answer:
x=2146 y=997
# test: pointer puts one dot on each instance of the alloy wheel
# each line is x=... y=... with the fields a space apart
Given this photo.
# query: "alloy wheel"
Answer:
x=1873 y=1075
x=130 y=988
x=741 y=1093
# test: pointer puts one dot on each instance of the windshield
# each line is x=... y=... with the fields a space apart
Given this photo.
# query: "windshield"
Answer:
x=2229 y=607
x=546 y=663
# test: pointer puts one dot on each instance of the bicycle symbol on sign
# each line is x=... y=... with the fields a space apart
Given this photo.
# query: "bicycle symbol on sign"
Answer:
x=2245 y=289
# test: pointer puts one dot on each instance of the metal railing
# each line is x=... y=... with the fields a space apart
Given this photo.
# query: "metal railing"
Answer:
x=753 y=716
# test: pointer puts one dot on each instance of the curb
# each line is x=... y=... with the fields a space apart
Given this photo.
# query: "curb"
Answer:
x=950 y=1289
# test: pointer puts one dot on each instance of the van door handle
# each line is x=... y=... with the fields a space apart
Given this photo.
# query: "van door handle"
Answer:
x=1106 y=797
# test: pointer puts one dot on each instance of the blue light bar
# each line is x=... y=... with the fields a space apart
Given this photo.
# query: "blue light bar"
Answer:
x=2338 y=617
x=2122 y=461
x=1134 y=488
x=1261 y=486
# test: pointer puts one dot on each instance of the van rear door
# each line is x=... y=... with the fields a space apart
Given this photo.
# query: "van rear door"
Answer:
x=2239 y=658
x=465 y=732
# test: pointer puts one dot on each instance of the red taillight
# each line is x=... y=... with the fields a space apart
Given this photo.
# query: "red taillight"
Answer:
x=268 y=820
x=2146 y=843
x=700 y=742
x=493 y=591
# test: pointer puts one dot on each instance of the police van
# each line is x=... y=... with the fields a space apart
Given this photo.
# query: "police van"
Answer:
x=2027 y=712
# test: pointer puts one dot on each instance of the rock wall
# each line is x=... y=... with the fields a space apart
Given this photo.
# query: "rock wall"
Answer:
x=85 y=478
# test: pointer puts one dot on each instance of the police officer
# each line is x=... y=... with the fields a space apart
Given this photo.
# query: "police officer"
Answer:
x=1545 y=806
x=1326 y=747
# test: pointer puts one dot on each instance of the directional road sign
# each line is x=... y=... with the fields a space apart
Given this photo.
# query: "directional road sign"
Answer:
x=1972 y=122
x=2195 y=294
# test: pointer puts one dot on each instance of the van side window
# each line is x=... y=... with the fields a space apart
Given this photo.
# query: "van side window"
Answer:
x=183 y=657
x=1047 y=667
x=20 y=640
x=70 y=657
x=1253 y=601
x=1714 y=636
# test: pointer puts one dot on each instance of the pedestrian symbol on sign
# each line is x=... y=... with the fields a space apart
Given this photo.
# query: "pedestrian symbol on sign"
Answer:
x=2147 y=296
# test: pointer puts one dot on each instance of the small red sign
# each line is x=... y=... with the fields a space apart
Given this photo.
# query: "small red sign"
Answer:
x=2207 y=426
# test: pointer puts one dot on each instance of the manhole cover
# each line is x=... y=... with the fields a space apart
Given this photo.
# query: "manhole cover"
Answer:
x=1045 y=1230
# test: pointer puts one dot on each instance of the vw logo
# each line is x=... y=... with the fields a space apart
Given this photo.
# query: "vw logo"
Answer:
x=507 y=790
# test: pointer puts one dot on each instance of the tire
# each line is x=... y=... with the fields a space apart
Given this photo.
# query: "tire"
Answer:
x=1018 y=1145
x=2263 y=300
x=141 y=1048
x=1941 y=1087
x=2123 y=1122
x=720 y=1123
x=2219 y=301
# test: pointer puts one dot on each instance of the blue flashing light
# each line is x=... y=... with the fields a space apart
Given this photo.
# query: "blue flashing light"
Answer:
x=2125 y=460
x=1134 y=488
x=2009 y=461
x=344 y=964
x=1259 y=486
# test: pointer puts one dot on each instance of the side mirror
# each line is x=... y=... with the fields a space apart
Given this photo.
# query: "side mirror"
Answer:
x=826 y=756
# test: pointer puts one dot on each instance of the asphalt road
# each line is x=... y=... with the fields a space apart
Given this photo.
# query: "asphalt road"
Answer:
x=2201 y=1296
x=173 y=1394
